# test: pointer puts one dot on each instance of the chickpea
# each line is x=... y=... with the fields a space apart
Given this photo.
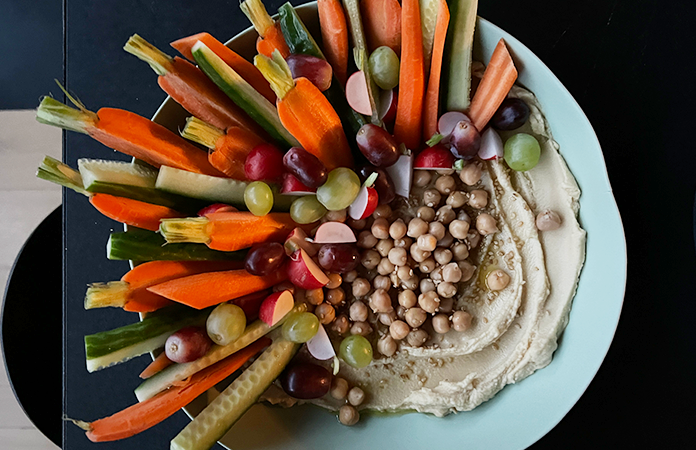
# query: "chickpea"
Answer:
x=429 y=301
x=467 y=269
x=314 y=296
x=460 y=251
x=399 y=330
x=417 y=227
x=341 y=325
x=335 y=281
x=445 y=184
x=446 y=305
x=382 y=282
x=382 y=211
x=349 y=277
x=431 y=198
x=427 y=266
x=427 y=285
x=380 y=228
x=442 y=256
x=339 y=388
x=445 y=214
x=486 y=224
x=419 y=255
x=461 y=320
x=478 y=198
x=386 y=345
x=417 y=338
x=426 y=213
x=383 y=246
x=404 y=242
x=366 y=239
x=421 y=178
x=380 y=302
x=400 y=312
x=427 y=242
x=335 y=296
x=446 y=289
x=385 y=267
x=437 y=229
x=356 y=396
x=441 y=323
x=459 y=229
x=370 y=259
x=407 y=298
x=411 y=283
x=335 y=216
x=326 y=313
x=361 y=328
x=446 y=241
x=497 y=280
x=361 y=287
x=451 y=273
x=348 y=415
x=457 y=199
x=474 y=238
x=463 y=215
x=387 y=318
x=398 y=256
x=404 y=272
x=397 y=230
x=548 y=220
x=436 y=274
x=358 y=312
x=415 y=317
x=394 y=279
x=471 y=174
x=358 y=225
x=444 y=172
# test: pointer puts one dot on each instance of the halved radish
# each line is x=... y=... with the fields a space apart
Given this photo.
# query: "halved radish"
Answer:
x=304 y=273
x=320 y=345
x=401 y=173
x=364 y=204
x=449 y=120
x=298 y=240
x=217 y=207
x=334 y=233
x=491 y=145
x=356 y=93
x=292 y=186
x=276 y=306
x=435 y=157
x=387 y=105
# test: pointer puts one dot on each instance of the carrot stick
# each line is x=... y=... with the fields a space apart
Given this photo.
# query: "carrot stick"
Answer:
x=146 y=414
x=382 y=22
x=244 y=68
x=498 y=79
x=228 y=231
x=334 y=33
x=208 y=289
x=273 y=40
x=132 y=212
x=270 y=35
x=432 y=94
x=408 y=126
x=156 y=366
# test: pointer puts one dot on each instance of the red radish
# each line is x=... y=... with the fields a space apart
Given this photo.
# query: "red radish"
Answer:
x=188 y=344
x=297 y=239
x=491 y=145
x=401 y=173
x=334 y=233
x=276 y=306
x=435 y=157
x=387 y=105
x=292 y=186
x=304 y=273
x=316 y=70
x=364 y=204
x=320 y=345
x=264 y=162
x=449 y=120
x=357 y=94
x=251 y=303
x=217 y=207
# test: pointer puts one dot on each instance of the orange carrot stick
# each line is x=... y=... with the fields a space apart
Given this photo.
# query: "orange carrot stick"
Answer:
x=244 y=68
x=409 y=111
x=146 y=414
x=498 y=79
x=334 y=33
x=156 y=366
x=209 y=289
x=382 y=23
x=132 y=212
x=432 y=94
x=270 y=35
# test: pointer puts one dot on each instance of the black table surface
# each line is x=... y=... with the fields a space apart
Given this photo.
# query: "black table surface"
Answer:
x=629 y=64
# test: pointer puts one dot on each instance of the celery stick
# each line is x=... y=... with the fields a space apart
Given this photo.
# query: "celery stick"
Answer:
x=458 y=48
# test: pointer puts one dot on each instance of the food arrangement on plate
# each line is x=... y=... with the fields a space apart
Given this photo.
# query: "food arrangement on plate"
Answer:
x=378 y=222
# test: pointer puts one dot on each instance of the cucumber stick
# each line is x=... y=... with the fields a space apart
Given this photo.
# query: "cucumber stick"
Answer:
x=428 y=12
x=115 y=346
x=116 y=172
x=223 y=412
x=166 y=378
x=243 y=94
x=458 y=48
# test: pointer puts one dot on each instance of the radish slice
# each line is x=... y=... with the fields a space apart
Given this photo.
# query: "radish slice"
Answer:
x=293 y=186
x=449 y=120
x=276 y=306
x=433 y=158
x=217 y=207
x=356 y=93
x=364 y=204
x=304 y=273
x=387 y=103
x=334 y=233
x=491 y=145
x=401 y=173
x=298 y=240
x=320 y=345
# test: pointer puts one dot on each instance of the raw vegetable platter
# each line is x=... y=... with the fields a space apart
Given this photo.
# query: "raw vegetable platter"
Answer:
x=309 y=427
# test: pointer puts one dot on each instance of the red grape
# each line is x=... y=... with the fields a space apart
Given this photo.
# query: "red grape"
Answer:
x=338 y=258
x=378 y=146
x=265 y=259
x=188 y=344
x=465 y=140
x=264 y=162
x=305 y=166
x=316 y=70
x=306 y=381
x=511 y=114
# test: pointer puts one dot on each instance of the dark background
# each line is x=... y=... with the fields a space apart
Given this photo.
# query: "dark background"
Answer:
x=630 y=65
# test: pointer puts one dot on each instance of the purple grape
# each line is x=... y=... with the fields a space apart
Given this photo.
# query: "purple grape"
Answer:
x=383 y=184
x=511 y=114
x=265 y=259
x=465 y=140
x=305 y=166
x=338 y=258
x=316 y=70
x=306 y=381
x=378 y=146
x=188 y=344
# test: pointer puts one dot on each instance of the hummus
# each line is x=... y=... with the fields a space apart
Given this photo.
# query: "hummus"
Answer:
x=515 y=330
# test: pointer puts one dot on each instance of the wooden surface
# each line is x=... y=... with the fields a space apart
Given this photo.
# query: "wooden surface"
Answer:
x=24 y=201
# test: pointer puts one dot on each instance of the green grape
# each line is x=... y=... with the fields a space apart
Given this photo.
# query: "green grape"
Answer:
x=226 y=323
x=299 y=327
x=384 y=65
x=522 y=152
x=307 y=209
x=258 y=198
x=356 y=350
x=340 y=190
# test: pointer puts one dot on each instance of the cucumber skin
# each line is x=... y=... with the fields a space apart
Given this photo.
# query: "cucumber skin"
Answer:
x=456 y=82
x=144 y=245
x=149 y=195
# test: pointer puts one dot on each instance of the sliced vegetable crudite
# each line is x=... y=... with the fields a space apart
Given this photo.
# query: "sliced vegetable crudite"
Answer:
x=460 y=42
